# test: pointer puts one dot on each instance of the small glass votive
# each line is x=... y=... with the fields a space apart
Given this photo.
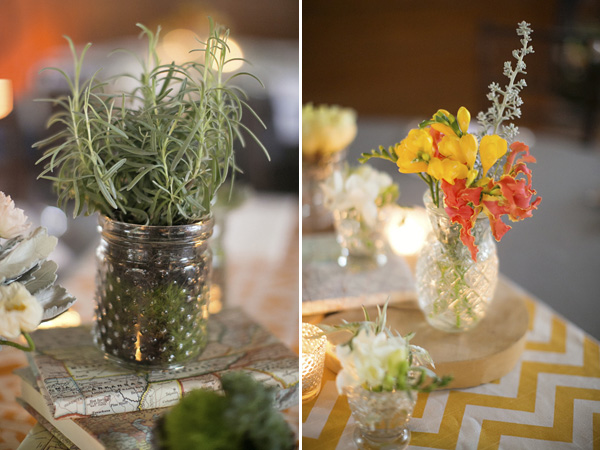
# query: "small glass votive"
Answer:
x=313 y=361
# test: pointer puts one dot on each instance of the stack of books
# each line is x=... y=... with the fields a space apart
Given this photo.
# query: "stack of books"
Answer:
x=81 y=400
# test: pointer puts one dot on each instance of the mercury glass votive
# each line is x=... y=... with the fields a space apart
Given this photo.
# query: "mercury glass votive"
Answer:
x=313 y=361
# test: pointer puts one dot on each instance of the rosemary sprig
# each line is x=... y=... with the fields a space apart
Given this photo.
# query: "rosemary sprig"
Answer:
x=154 y=155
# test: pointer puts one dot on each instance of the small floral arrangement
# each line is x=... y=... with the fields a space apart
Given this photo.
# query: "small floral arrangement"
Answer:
x=28 y=295
x=378 y=359
x=474 y=174
x=362 y=188
x=326 y=130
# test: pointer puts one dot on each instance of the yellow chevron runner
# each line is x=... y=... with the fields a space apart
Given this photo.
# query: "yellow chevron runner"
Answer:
x=550 y=400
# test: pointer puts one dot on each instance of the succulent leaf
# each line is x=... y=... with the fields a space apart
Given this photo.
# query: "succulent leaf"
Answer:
x=26 y=254
x=55 y=301
x=41 y=278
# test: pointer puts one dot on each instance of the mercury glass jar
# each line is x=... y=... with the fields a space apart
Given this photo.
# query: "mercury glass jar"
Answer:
x=152 y=293
x=315 y=170
x=381 y=417
x=454 y=291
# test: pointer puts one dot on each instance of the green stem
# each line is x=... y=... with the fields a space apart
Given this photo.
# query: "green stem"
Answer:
x=19 y=346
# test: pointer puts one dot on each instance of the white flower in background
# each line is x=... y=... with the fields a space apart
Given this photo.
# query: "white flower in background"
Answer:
x=326 y=129
x=13 y=221
x=371 y=359
x=360 y=188
x=19 y=310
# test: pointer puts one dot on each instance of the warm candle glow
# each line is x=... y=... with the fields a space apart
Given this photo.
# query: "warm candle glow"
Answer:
x=138 y=352
x=313 y=361
x=6 y=98
x=67 y=319
x=407 y=236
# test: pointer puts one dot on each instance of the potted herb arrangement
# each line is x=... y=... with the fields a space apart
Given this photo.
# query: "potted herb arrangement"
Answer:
x=150 y=161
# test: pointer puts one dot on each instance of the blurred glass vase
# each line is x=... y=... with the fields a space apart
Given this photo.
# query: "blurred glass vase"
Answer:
x=362 y=242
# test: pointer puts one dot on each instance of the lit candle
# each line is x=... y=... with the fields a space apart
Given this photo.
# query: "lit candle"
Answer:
x=313 y=361
x=407 y=233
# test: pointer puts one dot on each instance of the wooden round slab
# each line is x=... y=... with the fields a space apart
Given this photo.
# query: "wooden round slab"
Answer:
x=479 y=356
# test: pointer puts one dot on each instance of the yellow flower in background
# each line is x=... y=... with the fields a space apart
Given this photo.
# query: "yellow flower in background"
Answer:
x=464 y=118
x=491 y=148
x=447 y=169
x=415 y=151
x=463 y=150
x=327 y=129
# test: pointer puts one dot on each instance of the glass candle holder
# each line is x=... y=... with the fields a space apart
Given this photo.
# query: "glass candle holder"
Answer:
x=313 y=361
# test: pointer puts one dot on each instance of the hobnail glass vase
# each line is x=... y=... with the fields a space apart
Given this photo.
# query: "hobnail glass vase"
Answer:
x=381 y=417
x=454 y=291
x=362 y=243
x=152 y=293
x=315 y=170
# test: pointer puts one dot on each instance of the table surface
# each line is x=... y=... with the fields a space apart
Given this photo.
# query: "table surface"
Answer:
x=550 y=400
x=262 y=278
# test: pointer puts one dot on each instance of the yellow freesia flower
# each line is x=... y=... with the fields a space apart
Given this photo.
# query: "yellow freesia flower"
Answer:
x=447 y=169
x=464 y=118
x=414 y=151
x=463 y=150
x=444 y=129
x=492 y=148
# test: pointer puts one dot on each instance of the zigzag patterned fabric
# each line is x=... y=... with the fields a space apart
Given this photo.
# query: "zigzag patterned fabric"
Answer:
x=550 y=400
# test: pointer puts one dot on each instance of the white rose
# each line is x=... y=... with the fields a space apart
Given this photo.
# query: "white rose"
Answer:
x=19 y=310
x=13 y=221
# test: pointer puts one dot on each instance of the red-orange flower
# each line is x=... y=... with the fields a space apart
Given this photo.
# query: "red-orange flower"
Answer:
x=463 y=205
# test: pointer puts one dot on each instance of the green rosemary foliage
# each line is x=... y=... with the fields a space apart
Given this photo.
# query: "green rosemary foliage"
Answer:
x=155 y=155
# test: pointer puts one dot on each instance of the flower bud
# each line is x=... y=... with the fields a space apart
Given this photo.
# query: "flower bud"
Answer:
x=464 y=118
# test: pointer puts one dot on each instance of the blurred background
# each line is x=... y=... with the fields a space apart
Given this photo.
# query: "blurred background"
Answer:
x=397 y=63
x=265 y=32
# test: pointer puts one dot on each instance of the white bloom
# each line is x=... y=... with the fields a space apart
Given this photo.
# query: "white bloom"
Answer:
x=19 y=310
x=13 y=221
x=327 y=129
x=370 y=358
x=357 y=189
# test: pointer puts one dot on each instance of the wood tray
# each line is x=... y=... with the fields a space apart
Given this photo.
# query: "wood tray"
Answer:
x=484 y=354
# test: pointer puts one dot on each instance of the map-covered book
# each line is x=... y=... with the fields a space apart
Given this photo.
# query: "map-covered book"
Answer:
x=39 y=438
x=128 y=431
x=74 y=375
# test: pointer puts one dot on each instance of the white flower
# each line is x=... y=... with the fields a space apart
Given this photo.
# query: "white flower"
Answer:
x=13 y=221
x=356 y=189
x=19 y=310
x=327 y=129
x=371 y=358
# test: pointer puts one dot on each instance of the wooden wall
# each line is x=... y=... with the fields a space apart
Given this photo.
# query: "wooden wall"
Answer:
x=411 y=58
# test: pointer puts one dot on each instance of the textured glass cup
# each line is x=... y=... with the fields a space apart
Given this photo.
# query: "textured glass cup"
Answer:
x=152 y=293
x=315 y=216
x=454 y=291
x=313 y=361
x=381 y=417
x=361 y=243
